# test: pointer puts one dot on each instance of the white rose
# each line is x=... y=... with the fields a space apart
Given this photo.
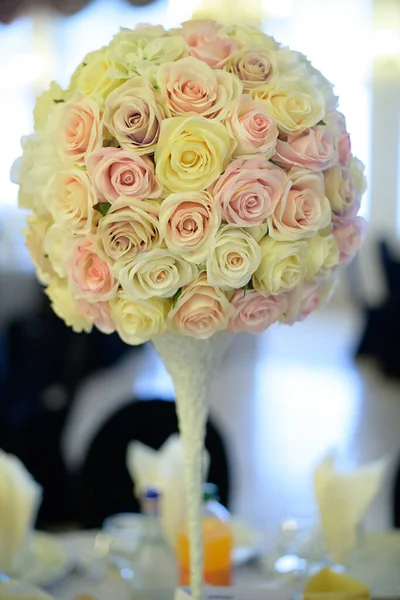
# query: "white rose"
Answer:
x=282 y=266
x=139 y=321
x=233 y=258
x=157 y=273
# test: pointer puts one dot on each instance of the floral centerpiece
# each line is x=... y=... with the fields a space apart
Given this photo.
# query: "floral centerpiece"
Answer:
x=187 y=184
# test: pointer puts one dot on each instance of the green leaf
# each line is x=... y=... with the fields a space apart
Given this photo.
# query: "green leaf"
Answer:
x=102 y=207
x=84 y=64
x=321 y=124
x=273 y=162
x=248 y=286
x=176 y=297
x=57 y=101
x=155 y=88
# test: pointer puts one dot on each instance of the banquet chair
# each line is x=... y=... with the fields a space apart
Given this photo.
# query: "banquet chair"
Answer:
x=104 y=486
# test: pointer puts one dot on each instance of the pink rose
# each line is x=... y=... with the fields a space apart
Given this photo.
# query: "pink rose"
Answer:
x=207 y=42
x=249 y=190
x=253 y=128
x=89 y=275
x=79 y=129
x=313 y=149
x=254 y=313
x=349 y=237
x=122 y=173
x=306 y=298
x=338 y=121
x=201 y=310
x=97 y=313
x=303 y=209
x=253 y=65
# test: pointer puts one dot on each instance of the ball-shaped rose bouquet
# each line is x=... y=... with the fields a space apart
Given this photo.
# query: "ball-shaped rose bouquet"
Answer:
x=191 y=180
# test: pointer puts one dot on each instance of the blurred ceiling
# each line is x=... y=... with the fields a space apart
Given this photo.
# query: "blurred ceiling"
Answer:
x=11 y=9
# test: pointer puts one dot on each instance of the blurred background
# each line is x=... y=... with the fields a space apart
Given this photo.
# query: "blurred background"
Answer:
x=282 y=400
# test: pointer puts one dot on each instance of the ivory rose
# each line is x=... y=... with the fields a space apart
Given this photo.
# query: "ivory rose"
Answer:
x=344 y=186
x=70 y=197
x=78 y=129
x=89 y=276
x=34 y=234
x=188 y=223
x=154 y=274
x=303 y=209
x=349 y=237
x=97 y=313
x=254 y=313
x=65 y=306
x=118 y=173
x=46 y=103
x=201 y=310
x=248 y=35
x=253 y=65
x=234 y=256
x=191 y=153
x=251 y=126
x=322 y=256
x=57 y=243
x=249 y=190
x=207 y=41
x=190 y=86
x=133 y=116
x=97 y=76
x=138 y=321
x=282 y=266
x=314 y=149
x=130 y=226
x=295 y=104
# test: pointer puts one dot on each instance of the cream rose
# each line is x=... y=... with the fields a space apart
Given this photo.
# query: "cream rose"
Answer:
x=247 y=35
x=46 y=103
x=249 y=190
x=35 y=234
x=70 y=197
x=157 y=273
x=201 y=310
x=118 y=173
x=89 y=275
x=207 y=41
x=258 y=231
x=251 y=126
x=192 y=152
x=188 y=223
x=233 y=258
x=65 y=306
x=282 y=266
x=348 y=237
x=322 y=256
x=139 y=321
x=344 y=186
x=133 y=116
x=253 y=65
x=130 y=226
x=191 y=86
x=303 y=209
x=78 y=129
x=254 y=313
x=96 y=76
x=314 y=149
x=57 y=243
x=295 y=105
x=97 y=313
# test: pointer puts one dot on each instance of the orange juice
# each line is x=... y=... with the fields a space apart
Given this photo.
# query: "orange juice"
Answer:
x=217 y=539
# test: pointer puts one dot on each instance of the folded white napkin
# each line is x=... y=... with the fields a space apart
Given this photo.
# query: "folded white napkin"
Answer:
x=163 y=469
x=343 y=498
x=20 y=498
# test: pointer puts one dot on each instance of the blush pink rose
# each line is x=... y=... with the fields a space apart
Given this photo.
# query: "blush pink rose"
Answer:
x=252 y=127
x=349 y=237
x=89 y=275
x=207 y=42
x=313 y=149
x=303 y=210
x=338 y=121
x=79 y=130
x=249 y=191
x=119 y=172
x=97 y=313
x=306 y=298
x=254 y=313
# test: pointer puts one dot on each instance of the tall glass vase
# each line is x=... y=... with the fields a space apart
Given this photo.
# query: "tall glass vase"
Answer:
x=191 y=364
